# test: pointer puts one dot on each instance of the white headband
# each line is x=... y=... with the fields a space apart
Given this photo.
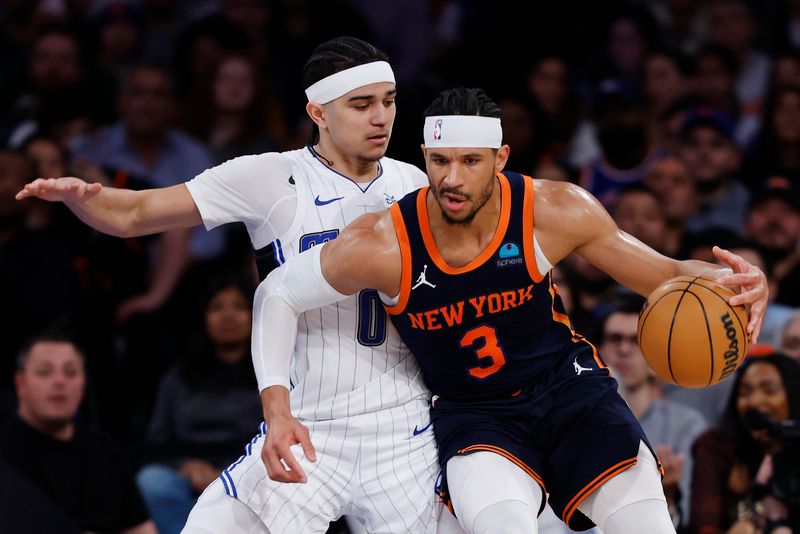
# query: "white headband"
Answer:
x=463 y=131
x=344 y=81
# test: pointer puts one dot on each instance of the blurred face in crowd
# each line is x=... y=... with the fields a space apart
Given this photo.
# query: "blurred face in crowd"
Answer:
x=639 y=213
x=228 y=318
x=234 y=85
x=50 y=385
x=147 y=102
x=761 y=388
x=250 y=15
x=774 y=225
x=663 y=82
x=730 y=25
x=709 y=155
x=517 y=125
x=626 y=46
x=786 y=71
x=119 y=39
x=786 y=116
x=49 y=158
x=790 y=338
x=359 y=123
x=548 y=84
x=55 y=62
x=671 y=181
x=713 y=82
x=621 y=352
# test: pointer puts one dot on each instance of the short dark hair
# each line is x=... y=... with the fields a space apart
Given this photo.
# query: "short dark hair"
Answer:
x=334 y=56
x=46 y=337
x=626 y=304
x=463 y=101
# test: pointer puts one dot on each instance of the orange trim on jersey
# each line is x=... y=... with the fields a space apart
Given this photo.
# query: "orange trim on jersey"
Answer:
x=527 y=231
x=558 y=316
x=405 y=255
x=488 y=252
x=601 y=479
x=508 y=456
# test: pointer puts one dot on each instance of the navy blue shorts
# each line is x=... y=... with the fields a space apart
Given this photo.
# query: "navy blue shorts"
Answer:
x=571 y=431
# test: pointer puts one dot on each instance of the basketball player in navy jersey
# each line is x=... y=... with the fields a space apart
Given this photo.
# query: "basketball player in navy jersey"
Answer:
x=523 y=405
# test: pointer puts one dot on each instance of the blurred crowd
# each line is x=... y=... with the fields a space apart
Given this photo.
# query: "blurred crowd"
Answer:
x=681 y=116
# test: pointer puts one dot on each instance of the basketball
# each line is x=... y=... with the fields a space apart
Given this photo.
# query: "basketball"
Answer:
x=690 y=335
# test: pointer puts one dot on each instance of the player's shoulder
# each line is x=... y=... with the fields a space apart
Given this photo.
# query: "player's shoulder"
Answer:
x=562 y=197
x=255 y=166
x=415 y=175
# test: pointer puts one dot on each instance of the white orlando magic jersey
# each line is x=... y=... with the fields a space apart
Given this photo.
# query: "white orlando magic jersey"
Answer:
x=348 y=358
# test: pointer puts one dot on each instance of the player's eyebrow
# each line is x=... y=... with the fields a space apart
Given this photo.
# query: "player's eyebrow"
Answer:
x=370 y=98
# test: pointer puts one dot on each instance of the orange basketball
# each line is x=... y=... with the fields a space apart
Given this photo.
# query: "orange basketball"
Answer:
x=688 y=333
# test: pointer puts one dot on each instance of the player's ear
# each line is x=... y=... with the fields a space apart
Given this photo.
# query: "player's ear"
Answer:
x=501 y=158
x=316 y=111
x=422 y=147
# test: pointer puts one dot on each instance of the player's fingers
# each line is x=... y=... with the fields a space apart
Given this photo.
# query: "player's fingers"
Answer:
x=305 y=442
x=275 y=468
x=739 y=279
x=92 y=189
x=751 y=296
x=736 y=262
x=296 y=472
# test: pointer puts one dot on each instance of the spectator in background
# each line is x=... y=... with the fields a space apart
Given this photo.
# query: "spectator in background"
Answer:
x=777 y=148
x=715 y=72
x=628 y=153
x=206 y=407
x=144 y=145
x=790 y=338
x=239 y=116
x=119 y=28
x=671 y=427
x=682 y=23
x=732 y=461
x=57 y=97
x=555 y=106
x=639 y=211
x=518 y=133
x=667 y=78
x=82 y=472
x=731 y=25
x=786 y=68
x=709 y=152
x=773 y=224
x=27 y=258
x=671 y=181
x=632 y=34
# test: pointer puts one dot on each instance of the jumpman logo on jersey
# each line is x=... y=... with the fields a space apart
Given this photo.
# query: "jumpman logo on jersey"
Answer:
x=578 y=368
x=422 y=280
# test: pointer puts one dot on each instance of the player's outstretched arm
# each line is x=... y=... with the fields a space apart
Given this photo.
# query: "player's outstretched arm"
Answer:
x=119 y=212
x=365 y=255
x=572 y=220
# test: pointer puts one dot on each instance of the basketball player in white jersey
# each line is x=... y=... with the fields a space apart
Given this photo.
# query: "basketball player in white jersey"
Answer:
x=357 y=416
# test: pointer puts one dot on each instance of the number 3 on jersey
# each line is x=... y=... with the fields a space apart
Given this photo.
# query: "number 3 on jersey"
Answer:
x=483 y=341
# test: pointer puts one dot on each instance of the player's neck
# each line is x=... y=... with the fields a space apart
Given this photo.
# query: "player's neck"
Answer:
x=461 y=243
x=357 y=169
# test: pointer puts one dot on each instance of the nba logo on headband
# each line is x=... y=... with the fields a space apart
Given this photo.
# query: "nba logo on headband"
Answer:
x=437 y=129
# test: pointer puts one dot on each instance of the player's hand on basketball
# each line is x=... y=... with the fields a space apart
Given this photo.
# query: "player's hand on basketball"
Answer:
x=282 y=433
x=66 y=189
x=752 y=285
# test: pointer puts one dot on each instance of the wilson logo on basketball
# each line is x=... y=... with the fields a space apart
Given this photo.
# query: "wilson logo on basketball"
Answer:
x=732 y=354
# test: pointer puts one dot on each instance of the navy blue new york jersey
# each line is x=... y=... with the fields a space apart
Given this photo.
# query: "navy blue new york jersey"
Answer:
x=485 y=329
